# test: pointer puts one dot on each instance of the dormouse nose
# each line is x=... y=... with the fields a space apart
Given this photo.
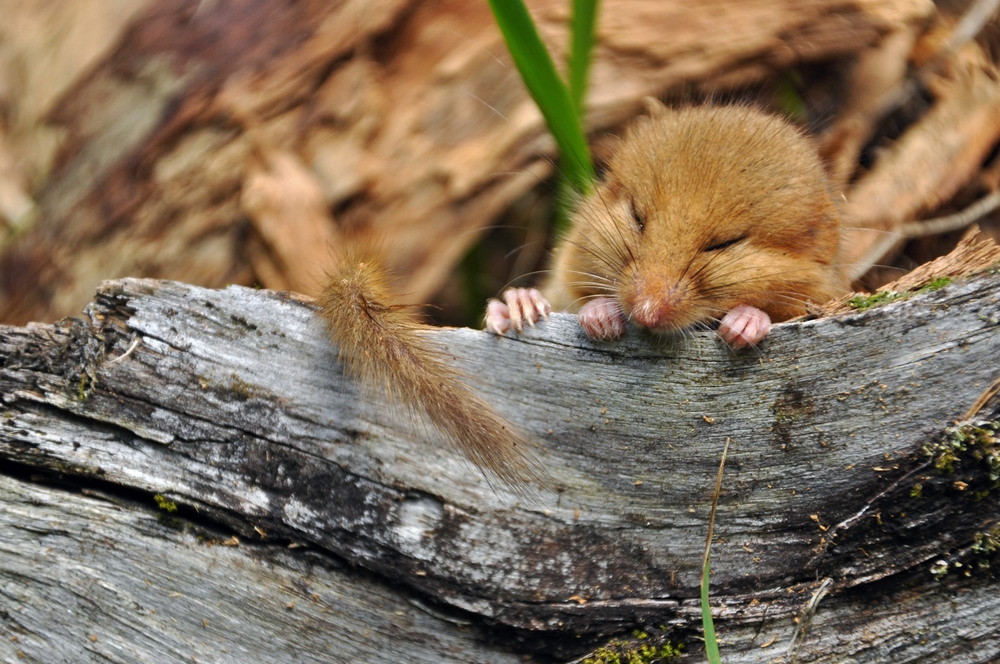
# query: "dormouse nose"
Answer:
x=656 y=303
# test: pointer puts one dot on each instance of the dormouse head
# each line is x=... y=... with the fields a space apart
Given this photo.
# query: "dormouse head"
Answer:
x=705 y=208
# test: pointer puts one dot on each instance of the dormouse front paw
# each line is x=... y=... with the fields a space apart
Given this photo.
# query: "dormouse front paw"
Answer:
x=744 y=326
x=519 y=306
x=602 y=318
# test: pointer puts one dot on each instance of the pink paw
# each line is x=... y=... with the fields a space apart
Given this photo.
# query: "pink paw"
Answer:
x=744 y=326
x=519 y=306
x=602 y=318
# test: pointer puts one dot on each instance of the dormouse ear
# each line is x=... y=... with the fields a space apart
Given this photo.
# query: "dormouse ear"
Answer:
x=649 y=107
x=653 y=106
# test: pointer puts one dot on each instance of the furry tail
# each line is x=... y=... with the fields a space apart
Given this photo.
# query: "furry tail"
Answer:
x=381 y=346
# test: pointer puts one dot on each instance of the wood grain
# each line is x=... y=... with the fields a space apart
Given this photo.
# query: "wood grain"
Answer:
x=231 y=405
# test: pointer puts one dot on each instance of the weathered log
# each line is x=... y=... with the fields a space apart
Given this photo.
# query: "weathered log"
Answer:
x=229 y=405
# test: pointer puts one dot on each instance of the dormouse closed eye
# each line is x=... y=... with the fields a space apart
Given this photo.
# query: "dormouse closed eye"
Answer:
x=638 y=217
x=722 y=244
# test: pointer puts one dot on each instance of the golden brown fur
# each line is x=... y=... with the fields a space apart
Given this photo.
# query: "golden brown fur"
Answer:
x=702 y=209
x=381 y=345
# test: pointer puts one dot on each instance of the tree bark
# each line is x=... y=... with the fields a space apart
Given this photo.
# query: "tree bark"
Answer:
x=313 y=524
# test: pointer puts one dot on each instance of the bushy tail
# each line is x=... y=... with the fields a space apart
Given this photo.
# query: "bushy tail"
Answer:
x=382 y=347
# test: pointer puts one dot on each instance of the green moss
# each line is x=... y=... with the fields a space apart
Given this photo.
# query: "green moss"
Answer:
x=988 y=543
x=641 y=649
x=980 y=557
x=863 y=302
x=970 y=454
x=935 y=284
x=85 y=384
x=968 y=444
x=939 y=569
x=945 y=462
x=165 y=504
x=167 y=518
x=986 y=548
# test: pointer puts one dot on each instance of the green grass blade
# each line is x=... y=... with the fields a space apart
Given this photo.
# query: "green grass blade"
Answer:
x=711 y=643
x=582 y=33
x=582 y=29
x=547 y=89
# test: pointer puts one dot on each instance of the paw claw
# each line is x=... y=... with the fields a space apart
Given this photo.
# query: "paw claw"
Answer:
x=519 y=306
x=602 y=318
x=744 y=326
x=497 y=317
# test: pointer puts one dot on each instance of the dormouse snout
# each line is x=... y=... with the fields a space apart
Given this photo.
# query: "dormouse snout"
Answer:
x=657 y=303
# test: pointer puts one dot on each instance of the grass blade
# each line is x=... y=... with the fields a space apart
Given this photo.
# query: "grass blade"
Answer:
x=711 y=643
x=582 y=30
x=547 y=89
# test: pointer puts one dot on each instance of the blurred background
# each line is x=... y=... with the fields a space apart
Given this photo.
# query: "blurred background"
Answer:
x=240 y=141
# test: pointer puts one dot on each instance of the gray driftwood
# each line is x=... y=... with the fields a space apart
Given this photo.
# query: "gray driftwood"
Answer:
x=315 y=525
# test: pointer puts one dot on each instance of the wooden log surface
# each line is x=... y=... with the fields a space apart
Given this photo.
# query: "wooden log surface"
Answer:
x=90 y=579
x=230 y=405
